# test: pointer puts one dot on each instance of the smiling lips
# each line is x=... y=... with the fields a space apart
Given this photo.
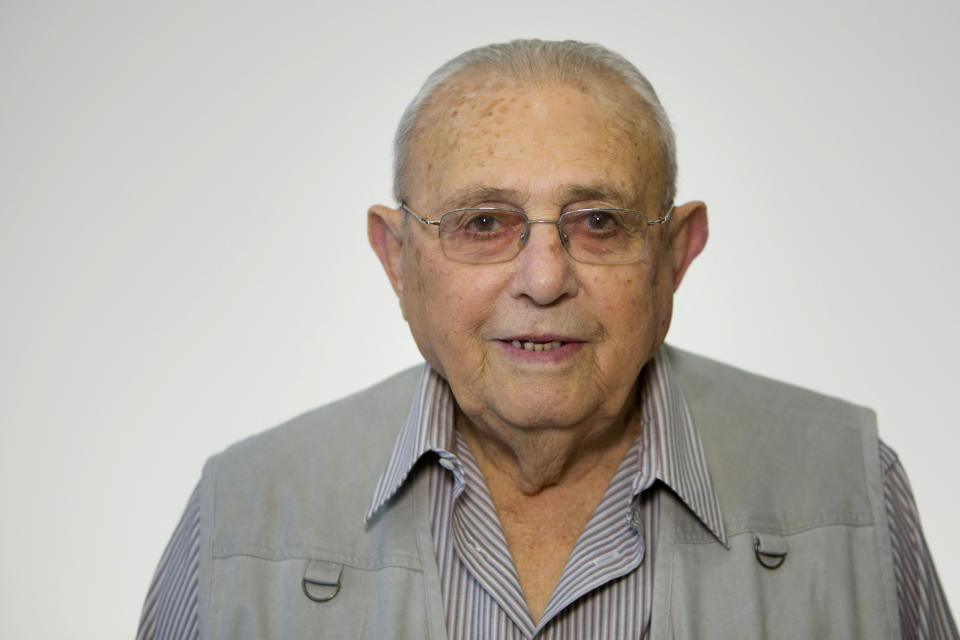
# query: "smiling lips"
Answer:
x=529 y=345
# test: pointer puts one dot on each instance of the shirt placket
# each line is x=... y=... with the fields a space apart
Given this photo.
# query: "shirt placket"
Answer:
x=481 y=545
x=603 y=552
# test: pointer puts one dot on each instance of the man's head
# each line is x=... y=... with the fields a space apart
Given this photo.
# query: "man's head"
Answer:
x=537 y=63
x=542 y=340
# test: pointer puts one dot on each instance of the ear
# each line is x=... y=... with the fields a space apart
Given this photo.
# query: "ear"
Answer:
x=385 y=233
x=687 y=236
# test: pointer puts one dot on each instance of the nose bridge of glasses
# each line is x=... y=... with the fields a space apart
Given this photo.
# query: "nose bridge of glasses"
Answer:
x=556 y=223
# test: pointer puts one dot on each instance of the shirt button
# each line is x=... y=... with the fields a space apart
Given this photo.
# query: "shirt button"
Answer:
x=448 y=463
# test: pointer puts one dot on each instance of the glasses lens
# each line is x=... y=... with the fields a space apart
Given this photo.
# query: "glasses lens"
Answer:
x=605 y=236
x=481 y=235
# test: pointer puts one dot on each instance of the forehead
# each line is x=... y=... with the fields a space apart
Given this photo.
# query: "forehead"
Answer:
x=540 y=141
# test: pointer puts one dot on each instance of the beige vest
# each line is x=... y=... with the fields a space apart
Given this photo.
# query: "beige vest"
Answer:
x=284 y=554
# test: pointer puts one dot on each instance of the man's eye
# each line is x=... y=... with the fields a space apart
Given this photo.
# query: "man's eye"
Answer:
x=601 y=221
x=482 y=223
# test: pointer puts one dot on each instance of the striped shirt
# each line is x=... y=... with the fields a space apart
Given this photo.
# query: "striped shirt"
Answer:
x=605 y=590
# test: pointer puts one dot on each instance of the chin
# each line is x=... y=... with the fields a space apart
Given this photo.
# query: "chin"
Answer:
x=542 y=413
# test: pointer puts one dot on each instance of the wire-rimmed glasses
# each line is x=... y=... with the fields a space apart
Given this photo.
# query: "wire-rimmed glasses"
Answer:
x=484 y=235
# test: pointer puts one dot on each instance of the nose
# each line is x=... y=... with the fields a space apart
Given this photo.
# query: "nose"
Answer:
x=544 y=271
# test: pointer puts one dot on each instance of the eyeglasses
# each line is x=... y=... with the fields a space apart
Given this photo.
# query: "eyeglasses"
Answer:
x=484 y=235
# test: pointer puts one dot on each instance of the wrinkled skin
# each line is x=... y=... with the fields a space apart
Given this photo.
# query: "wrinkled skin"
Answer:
x=540 y=416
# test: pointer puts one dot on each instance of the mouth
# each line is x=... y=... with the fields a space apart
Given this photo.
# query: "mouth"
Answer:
x=541 y=350
x=531 y=345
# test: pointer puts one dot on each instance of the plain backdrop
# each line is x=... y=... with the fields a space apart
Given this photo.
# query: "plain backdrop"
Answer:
x=183 y=259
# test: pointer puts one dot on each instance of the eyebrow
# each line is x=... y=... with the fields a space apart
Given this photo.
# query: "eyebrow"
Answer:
x=598 y=191
x=472 y=194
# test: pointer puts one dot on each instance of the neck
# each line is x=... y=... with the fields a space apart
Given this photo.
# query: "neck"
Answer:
x=545 y=484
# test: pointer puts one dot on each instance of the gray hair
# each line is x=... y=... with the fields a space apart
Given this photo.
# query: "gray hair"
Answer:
x=565 y=61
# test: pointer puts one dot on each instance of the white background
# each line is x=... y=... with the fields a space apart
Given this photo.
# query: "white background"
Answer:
x=183 y=260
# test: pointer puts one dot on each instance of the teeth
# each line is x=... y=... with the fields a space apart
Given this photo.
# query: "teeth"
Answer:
x=536 y=346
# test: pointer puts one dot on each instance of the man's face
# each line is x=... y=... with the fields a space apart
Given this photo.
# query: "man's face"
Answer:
x=545 y=150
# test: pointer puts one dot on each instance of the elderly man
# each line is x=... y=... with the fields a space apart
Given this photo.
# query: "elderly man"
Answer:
x=559 y=472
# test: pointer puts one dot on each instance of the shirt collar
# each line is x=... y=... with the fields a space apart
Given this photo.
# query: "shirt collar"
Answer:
x=678 y=459
x=428 y=427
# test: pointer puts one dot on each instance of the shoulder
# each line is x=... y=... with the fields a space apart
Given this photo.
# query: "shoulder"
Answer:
x=779 y=451
x=719 y=387
x=328 y=459
x=358 y=422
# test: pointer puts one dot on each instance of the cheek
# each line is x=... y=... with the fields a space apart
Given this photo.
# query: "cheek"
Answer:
x=418 y=272
x=448 y=301
x=635 y=309
x=627 y=295
x=662 y=297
